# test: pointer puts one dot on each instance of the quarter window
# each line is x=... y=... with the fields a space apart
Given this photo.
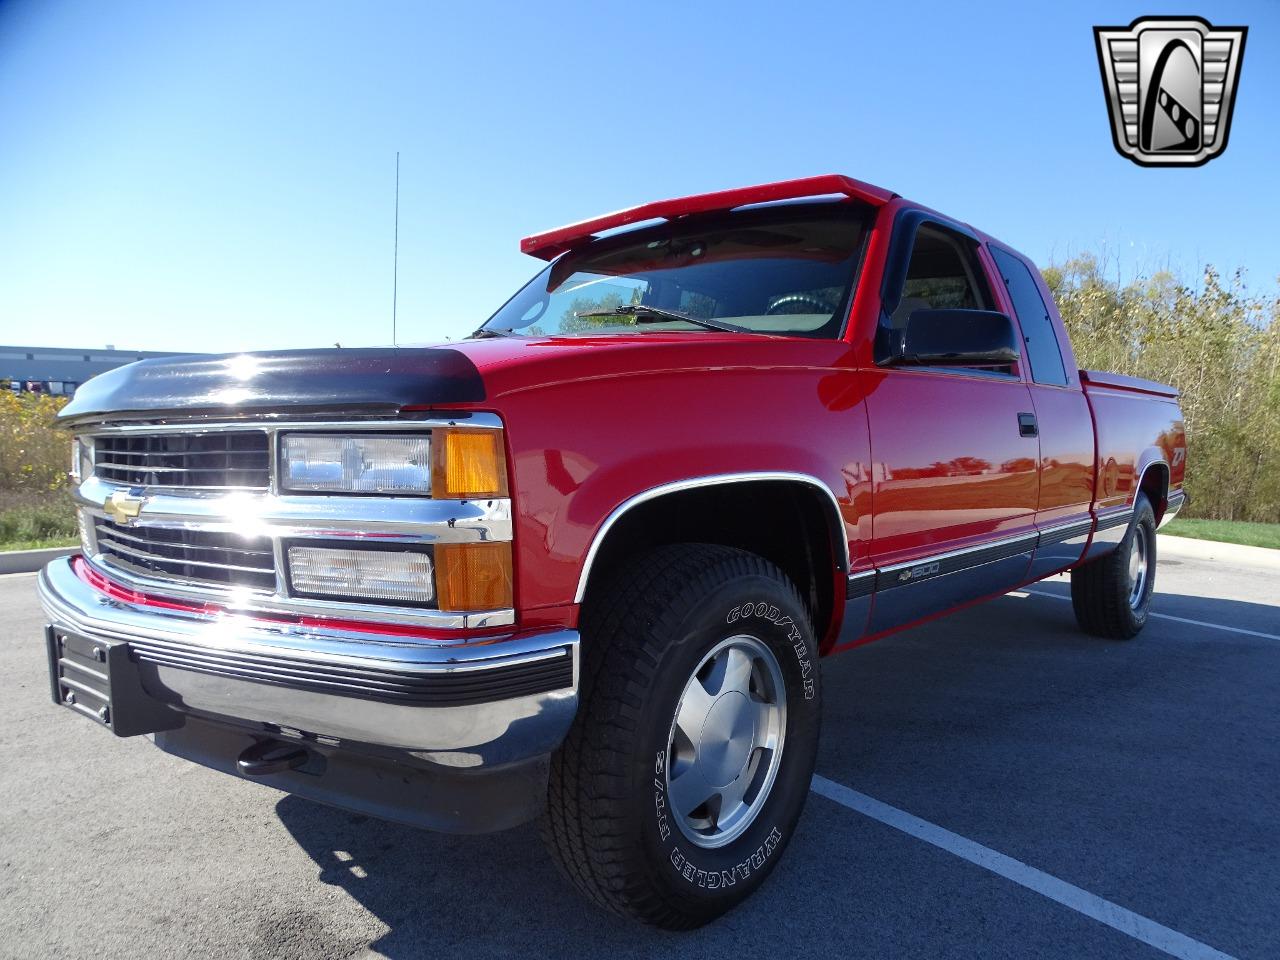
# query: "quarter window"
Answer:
x=1043 y=352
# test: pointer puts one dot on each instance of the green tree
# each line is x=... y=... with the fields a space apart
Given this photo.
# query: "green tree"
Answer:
x=1219 y=345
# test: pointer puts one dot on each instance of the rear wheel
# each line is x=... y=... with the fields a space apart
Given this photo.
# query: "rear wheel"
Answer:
x=689 y=762
x=1112 y=595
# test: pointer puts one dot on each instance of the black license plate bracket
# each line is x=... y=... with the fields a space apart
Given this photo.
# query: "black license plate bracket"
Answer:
x=97 y=679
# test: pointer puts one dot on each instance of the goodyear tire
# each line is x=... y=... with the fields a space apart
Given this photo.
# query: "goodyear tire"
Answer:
x=1112 y=595
x=700 y=677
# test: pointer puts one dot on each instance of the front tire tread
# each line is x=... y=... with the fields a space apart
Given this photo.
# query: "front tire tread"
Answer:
x=587 y=795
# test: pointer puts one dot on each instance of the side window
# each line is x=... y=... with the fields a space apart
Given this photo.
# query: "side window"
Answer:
x=943 y=273
x=1043 y=352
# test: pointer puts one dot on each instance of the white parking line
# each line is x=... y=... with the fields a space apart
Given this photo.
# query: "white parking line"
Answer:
x=1082 y=901
x=1161 y=616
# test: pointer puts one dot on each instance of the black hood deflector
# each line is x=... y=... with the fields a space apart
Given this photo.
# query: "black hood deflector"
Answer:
x=364 y=382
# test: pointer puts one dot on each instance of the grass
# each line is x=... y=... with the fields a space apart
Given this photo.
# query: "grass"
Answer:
x=8 y=545
x=30 y=521
x=1227 y=531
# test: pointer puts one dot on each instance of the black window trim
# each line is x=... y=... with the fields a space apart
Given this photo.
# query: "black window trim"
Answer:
x=906 y=224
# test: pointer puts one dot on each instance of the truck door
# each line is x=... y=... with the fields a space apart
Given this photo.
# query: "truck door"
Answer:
x=1062 y=414
x=955 y=464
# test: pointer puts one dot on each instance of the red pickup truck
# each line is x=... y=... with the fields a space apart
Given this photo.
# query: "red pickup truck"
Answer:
x=584 y=564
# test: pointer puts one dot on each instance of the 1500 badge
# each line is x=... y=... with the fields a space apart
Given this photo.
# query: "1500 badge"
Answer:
x=916 y=573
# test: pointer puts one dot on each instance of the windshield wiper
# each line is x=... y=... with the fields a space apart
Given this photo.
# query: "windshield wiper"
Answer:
x=642 y=311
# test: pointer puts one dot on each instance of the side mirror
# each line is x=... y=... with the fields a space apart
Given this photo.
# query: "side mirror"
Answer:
x=956 y=338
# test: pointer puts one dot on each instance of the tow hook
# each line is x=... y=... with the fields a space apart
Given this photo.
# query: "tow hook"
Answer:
x=271 y=756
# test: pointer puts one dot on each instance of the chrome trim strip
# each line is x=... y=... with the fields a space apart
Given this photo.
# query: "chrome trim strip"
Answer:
x=113 y=532
x=118 y=547
x=255 y=513
x=696 y=483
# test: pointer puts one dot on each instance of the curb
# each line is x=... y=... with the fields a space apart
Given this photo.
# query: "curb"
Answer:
x=29 y=561
x=1224 y=552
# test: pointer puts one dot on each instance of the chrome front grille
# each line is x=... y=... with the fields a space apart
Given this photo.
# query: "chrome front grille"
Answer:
x=199 y=556
x=160 y=505
x=225 y=460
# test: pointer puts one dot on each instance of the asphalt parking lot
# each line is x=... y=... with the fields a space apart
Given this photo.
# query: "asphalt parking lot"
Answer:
x=1138 y=781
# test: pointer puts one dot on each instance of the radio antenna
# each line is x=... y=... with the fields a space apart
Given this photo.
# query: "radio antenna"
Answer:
x=395 y=256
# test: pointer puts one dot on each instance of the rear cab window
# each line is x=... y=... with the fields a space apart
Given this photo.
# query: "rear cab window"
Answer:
x=1041 y=339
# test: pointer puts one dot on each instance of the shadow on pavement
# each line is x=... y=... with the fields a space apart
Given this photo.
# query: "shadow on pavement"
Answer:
x=500 y=894
x=1263 y=617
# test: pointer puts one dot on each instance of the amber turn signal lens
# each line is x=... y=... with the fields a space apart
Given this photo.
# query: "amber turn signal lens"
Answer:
x=473 y=576
x=467 y=463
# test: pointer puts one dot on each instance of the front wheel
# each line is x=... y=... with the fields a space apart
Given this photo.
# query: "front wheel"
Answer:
x=689 y=762
x=1112 y=595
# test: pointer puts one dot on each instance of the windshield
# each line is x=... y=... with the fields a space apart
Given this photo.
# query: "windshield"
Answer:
x=784 y=270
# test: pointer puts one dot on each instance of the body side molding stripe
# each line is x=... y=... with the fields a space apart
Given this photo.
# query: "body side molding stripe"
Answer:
x=861 y=584
x=1065 y=531
x=914 y=571
x=1115 y=519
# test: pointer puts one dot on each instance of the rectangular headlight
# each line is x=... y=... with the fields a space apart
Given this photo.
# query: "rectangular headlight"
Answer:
x=381 y=576
x=334 y=463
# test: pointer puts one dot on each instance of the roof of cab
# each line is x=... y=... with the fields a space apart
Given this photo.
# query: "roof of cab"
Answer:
x=552 y=243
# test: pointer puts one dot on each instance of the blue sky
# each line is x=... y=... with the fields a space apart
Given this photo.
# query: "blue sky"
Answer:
x=220 y=176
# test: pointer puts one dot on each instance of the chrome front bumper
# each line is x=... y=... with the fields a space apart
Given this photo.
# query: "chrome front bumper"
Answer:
x=453 y=704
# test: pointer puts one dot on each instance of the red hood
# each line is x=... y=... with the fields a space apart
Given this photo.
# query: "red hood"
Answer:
x=385 y=380
x=511 y=364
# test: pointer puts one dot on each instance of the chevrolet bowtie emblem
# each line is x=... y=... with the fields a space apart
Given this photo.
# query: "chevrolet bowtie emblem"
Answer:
x=1170 y=85
x=121 y=507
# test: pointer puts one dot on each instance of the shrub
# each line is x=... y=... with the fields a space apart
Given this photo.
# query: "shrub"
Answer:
x=52 y=519
x=34 y=455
